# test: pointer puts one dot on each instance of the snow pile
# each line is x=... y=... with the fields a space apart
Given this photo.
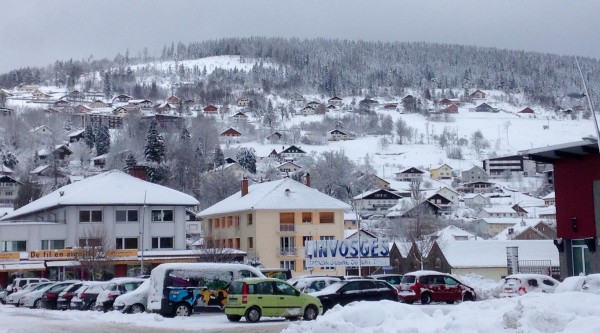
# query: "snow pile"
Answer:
x=534 y=313
x=484 y=288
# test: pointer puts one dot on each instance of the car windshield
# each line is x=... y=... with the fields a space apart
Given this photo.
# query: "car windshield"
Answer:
x=236 y=287
x=408 y=279
x=41 y=286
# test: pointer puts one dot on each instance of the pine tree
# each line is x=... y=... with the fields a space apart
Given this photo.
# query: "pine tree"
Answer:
x=247 y=159
x=130 y=161
x=154 y=150
x=107 y=85
x=219 y=158
x=89 y=137
x=102 y=140
x=185 y=136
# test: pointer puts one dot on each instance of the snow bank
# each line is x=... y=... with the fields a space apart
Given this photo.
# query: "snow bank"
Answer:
x=532 y=313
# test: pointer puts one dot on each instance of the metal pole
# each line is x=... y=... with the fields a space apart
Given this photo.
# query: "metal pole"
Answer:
x=142 y=235
x=587 y=96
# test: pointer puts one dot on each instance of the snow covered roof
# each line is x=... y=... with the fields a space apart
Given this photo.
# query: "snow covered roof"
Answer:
x=551 y=195
x=492 y=253
x=5 y=169
x=499 y=209
x=109 y=188
x=280 y=194
x=507 y=220
x=453 y=233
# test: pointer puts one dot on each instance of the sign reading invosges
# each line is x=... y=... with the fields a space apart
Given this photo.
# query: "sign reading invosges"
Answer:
x=373 y=252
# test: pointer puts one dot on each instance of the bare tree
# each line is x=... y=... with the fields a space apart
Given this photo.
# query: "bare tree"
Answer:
x=213 y=249
x=94 y=252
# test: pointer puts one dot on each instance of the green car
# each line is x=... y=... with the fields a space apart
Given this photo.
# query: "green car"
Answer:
x=253 y=298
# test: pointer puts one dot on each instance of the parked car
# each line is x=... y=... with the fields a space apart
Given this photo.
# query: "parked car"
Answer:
x=393 y=279
x=3 y=295
x=115 y=288
x=18 y=283
x=135 y=301
x=63 y=302
x=85 y=296
x=519 y=284
x=50 y=296
x=432 y=286
x=312 y=284
x=591 y=284
x=34 y=298
x=15 y=298
x=348 y=291
x=254 y=298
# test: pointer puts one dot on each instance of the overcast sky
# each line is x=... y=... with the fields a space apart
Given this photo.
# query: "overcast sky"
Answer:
x=38 y=32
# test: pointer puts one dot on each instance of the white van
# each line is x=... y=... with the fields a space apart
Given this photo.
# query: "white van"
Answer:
x=179 y=289
x=134 y=301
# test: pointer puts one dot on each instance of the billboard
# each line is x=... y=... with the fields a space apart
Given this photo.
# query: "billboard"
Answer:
x=333 y=252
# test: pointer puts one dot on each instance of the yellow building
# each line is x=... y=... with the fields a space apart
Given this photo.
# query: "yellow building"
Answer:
x=272 y=221
x=442 y=172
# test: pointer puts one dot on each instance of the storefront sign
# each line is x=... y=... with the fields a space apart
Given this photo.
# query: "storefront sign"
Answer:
x=373 y=252
x=10 y=255
x=66 y=254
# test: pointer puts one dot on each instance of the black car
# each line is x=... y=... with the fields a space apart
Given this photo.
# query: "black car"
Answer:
x=85 y=296
x=64 y=298
x=50 y=296
x=345 y=292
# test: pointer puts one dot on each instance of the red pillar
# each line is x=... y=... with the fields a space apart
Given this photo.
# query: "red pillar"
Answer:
x=121 y=270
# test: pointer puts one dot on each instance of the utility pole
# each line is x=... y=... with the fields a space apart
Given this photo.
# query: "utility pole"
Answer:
x=587 y=96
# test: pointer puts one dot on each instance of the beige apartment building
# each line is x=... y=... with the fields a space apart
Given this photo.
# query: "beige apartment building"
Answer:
x=271 y=221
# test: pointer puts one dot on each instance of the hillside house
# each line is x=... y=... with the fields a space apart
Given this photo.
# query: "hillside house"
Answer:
x=474 y=174
x=306 y=111
x=444 y=171
x=498 y=211
x=287 y=167
x=527 y=110
x=292 y=153
x=82 y=109
x=235 y=169
x=336 y=101
x=449 y=193
x=9 y=187
x=449 y=101
x=173 y=100
x=484 y=107
x=550 y=199
x=211 y=110
x=243 y=102
x=98 y=104
x=478 y=187
x=273 y=220
x=239 y=117
x=409 y=174
x=452 y=108
x=475 y=200
x=231 y=132
x=122 y=98
x=499 y=166
x=76 y=135
x=337 y=135
x=141 y=103
x=38 y=94
x=42 y=130
x=477 y=94
x=274 y=137
x=376 y=200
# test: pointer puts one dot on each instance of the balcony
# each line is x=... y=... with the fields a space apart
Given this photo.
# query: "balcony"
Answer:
x=287 y=251
x=286 y=227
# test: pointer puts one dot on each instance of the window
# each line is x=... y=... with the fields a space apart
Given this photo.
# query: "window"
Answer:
x=13 y=246
x=229 y=221
x=250 y=220
x=288 y=264
x=126 y=243
x=87 y=242
x=306 y=239
x=327 y=238
x=284 y=289
x=287 y=246
x=237 y=221
x=162 y=215
x=326 y=217
x=286 y=222
x=90 y=216
x=162 y=242
x=56 y=244
x=250 y=242
x=126 y=215
x=9 y=193
x=306 y=217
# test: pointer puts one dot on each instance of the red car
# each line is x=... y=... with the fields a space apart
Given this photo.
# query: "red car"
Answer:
x=432 y=286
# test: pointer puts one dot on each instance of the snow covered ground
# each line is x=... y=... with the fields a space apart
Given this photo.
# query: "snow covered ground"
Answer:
x=532 y=313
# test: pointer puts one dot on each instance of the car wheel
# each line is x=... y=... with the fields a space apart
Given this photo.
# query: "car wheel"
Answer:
x=137 y=308
x=253 y=314
x=17 y=304
x=425 y=298
x=468 y=297
x=234 y=318
x=182 y=310
x=38 y=304
x=310 y=313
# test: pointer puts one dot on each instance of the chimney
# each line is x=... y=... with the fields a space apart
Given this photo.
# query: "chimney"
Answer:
x=138 y=171
x=307 y=179
x=244 y=186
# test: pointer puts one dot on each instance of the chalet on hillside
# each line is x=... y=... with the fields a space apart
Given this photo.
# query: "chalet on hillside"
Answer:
x=292 y=152
x=477 y=94
x=173 y=100
x=448 y=101
x=376 y=200
x=287 y=167
x=38 y=94
x=452 y=108
x=82 y=109
x=239 y=117
x=409 y=174
x=484 y=107
x=122 y=98
x=335 y=100
x=313 y=104
x=98 y=104
x=477 y=187
x=243 y=102
x=336 y=135
x=444 y=171
x=527 y=110
x=274 y=137
x=231 y=132
x=75 y=135
x=211 y=109
x=476 y=173
x=142 y=103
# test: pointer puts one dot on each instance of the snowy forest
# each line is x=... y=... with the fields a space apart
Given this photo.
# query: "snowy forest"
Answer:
x=333 y=67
